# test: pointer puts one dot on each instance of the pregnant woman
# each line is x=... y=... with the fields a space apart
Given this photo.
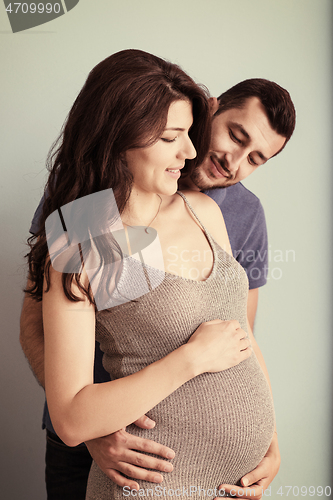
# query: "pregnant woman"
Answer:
x=178 y=351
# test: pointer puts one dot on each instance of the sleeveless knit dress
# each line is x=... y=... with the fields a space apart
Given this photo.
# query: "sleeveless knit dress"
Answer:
x=220 y=425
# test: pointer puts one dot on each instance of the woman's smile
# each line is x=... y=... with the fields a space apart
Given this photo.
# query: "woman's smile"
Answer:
x=175 y=173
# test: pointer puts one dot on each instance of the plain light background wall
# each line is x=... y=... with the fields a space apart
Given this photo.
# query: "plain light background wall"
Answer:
x=219 y=42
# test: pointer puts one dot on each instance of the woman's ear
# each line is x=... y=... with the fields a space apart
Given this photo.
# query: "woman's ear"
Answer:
x=214 y=105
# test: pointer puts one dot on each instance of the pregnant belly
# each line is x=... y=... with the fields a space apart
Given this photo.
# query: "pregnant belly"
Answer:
x=219 y=425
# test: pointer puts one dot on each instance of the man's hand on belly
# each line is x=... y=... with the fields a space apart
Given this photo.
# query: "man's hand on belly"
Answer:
x=121 y=453
x=257 y=481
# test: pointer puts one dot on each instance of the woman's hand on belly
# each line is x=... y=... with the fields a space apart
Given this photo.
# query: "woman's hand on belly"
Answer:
x=218 y=345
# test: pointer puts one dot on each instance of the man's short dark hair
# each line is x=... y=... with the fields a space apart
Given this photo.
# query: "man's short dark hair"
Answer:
x=276 y=100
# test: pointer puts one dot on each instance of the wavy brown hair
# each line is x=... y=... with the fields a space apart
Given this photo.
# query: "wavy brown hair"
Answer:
x=123 y=105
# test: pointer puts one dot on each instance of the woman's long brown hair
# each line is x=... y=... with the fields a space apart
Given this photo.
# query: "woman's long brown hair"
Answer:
x=123 y=105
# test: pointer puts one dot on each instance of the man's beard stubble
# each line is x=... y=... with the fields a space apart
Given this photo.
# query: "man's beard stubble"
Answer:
x=202 y=182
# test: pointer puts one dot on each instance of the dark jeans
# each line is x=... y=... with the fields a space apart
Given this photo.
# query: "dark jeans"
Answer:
x=67 y=469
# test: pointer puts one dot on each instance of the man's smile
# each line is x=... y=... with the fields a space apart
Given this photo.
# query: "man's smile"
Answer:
x=217 y=168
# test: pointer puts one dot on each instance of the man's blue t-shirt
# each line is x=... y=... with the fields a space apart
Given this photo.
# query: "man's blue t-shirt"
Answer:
x=245 y=221
x=246 y=225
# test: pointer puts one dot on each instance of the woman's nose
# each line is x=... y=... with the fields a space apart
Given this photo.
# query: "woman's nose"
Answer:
x=188 y=149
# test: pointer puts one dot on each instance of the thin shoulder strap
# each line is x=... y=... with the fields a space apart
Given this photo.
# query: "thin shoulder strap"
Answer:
x=210 y=238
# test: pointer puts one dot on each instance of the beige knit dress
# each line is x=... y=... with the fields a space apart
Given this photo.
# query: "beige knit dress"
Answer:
x=220 y=425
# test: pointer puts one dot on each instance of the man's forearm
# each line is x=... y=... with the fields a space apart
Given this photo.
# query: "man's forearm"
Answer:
x=32 y=336
x=252 y=305
x=260 y=357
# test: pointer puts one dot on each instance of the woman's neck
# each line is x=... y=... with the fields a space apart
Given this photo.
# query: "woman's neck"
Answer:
x=141 y=208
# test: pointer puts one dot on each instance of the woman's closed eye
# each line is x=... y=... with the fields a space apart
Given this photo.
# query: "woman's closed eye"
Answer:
x=166 y=139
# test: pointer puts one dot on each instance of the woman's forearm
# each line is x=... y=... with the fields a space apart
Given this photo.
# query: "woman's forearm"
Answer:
x=120 y=402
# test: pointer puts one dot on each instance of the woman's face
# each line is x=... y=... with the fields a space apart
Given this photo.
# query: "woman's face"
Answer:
x=157 y=168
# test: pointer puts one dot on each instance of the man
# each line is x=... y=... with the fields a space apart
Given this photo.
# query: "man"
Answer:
x=251 y=122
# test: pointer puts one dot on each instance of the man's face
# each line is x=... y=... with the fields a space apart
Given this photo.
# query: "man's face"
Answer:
x=242 y=140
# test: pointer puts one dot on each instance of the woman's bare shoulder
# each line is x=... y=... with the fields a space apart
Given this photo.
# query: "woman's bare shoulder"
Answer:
x=200 y=201
x=210 y=215
x=204 y=206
